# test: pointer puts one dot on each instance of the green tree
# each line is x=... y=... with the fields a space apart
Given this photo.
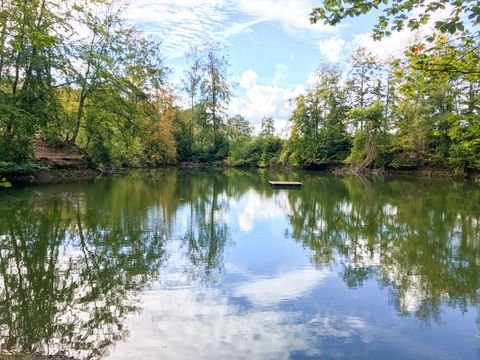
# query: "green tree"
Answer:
x=318 y=135
x=99 y=54
x=364 y=82
x=32 y=38
x=365 y=149
x=216 y=89
x=192 y=79
x=237 y=127
x=267 y=127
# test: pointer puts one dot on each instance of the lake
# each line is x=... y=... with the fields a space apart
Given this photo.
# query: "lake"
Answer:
x=215 y=264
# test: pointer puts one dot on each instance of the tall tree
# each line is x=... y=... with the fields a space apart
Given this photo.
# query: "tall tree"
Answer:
x=216 y=89
x=98 y=54
x=318 y=135
x=192 y=78
x=267 y=126
x=364 y=81
x=32 y=39
x=238 y=127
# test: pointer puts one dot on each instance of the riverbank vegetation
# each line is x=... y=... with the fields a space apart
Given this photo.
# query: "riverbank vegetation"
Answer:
x=79 y=75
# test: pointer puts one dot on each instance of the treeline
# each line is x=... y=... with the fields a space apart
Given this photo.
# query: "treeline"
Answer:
x=418 y=111
x=78 y=75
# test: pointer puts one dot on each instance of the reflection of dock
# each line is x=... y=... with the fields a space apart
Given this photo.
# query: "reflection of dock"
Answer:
x=286 y=184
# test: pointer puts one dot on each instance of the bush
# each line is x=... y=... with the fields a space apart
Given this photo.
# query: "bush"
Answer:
x=23 y=168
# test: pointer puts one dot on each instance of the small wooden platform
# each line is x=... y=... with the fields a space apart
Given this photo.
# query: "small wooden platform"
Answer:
x=285 y=183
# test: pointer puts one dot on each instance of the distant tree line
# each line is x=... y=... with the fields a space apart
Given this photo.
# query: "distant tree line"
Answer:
x=78 y=75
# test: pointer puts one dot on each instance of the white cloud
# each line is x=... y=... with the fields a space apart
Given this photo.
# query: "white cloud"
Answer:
x=258 y=207
x=294 y=14
x=332 y=48
x=395 y=45
x=179 y=23
x=264 y=100
x=248 y=79
x=286 y=286
x=185 y=22
x=391 y=47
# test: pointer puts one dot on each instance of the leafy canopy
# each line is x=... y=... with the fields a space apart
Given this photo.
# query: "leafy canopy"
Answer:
x=398 y=14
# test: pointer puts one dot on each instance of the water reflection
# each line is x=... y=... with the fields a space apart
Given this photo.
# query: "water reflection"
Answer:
x=421 y=239
x=71 y=270
x=206 y=227
x=180 y=262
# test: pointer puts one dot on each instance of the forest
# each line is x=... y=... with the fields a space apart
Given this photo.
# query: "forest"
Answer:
x=76 y=74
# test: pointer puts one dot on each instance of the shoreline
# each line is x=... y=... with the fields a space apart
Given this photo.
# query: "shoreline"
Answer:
x=69 y=174
x=32 y=356
x=52 y=176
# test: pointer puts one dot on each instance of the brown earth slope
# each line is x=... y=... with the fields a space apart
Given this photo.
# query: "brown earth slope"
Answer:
x=64 y=157
x=62 y=163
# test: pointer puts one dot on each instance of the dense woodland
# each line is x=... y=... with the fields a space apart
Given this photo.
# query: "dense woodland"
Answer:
x=76 y=74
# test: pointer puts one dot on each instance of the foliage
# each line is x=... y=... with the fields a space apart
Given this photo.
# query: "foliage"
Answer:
x=106 y=91
x=318 y=135
x=267 y=127
x=20 y=168
x=204 y=136
x=397 y=14
x=258 y=151
x=365 y=149
x=5 y=183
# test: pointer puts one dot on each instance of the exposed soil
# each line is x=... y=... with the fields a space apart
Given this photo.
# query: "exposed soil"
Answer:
x=63 y=163
x=63 y=157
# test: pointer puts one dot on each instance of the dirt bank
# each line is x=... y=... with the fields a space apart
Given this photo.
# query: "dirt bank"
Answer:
x=56 y=163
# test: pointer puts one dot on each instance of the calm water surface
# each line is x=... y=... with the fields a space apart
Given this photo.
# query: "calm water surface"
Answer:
x=197 y=264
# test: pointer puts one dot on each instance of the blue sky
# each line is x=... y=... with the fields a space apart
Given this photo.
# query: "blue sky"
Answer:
x=272 y=47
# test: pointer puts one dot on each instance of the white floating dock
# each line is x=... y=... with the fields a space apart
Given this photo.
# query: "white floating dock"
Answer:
x=285 y=183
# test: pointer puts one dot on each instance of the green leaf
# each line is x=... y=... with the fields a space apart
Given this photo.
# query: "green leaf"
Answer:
x=4 y=183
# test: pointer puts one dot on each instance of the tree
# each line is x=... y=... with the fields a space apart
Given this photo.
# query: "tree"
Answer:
x=216 y=89
x=159 y=141
x=318 y=136
x=32 y=39
x=364 y=83
x=99 y=53
x=366 y=142
x=267 y=127
x=192 y=79
x=461 y=25
x=238 y=127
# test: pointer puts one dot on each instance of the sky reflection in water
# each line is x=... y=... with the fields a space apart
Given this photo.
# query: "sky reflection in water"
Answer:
x=215 y=264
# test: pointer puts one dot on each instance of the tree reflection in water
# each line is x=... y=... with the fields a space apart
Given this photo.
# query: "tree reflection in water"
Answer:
x=72 y=264
x=74 y=258
x=419 y=238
